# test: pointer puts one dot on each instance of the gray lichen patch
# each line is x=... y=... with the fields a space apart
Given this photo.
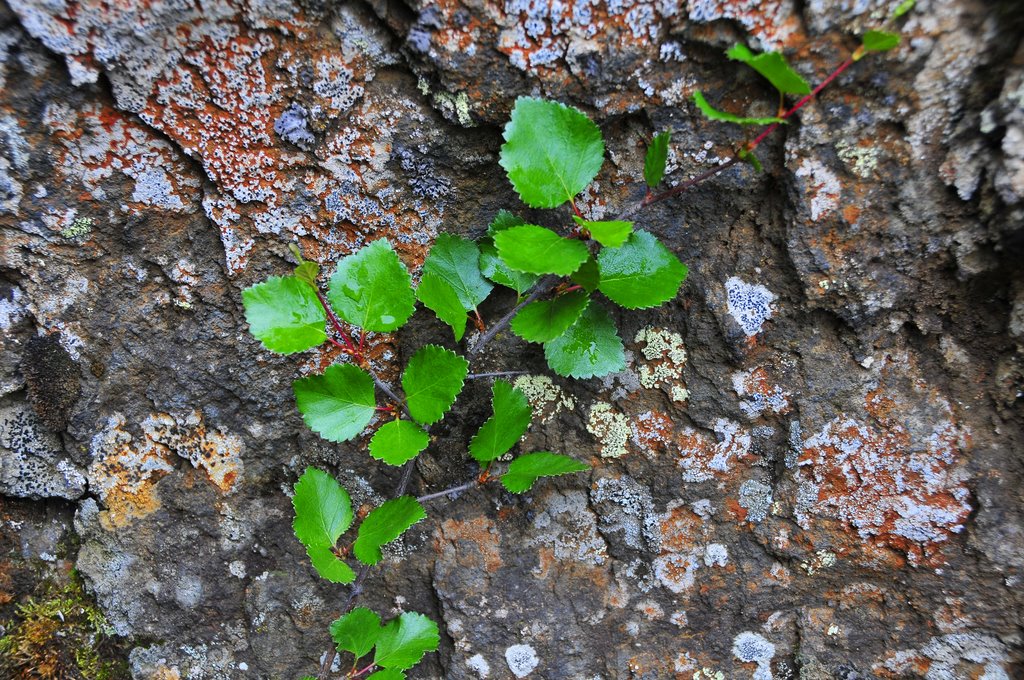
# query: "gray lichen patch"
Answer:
x=34 y=464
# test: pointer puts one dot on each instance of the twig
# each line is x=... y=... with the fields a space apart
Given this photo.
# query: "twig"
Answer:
x=454 y=489
x=541 y=287
x=495 y=374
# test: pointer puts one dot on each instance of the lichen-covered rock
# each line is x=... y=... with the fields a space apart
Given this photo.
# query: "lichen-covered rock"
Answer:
x=808 y=468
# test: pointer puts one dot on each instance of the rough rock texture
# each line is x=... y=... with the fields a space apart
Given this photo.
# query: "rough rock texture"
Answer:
x=811 y=467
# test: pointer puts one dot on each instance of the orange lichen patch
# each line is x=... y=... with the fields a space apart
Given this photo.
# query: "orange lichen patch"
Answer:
x=215 y=106
x=680 y=528
x=124 y=473
x=218 y=454
x=895 y=479
x=683 y=549
x=702 y=457
x=97 y=141
x=651 y=432
x=472 y=544
x=759 y=393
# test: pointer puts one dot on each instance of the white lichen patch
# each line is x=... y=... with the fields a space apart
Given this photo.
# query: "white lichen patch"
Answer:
x=478 y=664
x=664 y=357
x=546 y=398
x=750 y=647
x=771 y=21
x=756 y=498
x=521 y=659
x=749 y=304
x=677 y=571
x=716 y=555
x=952 y=657
x=610 y=428
x=758 y=394
x=568 y=527
x=821 y=186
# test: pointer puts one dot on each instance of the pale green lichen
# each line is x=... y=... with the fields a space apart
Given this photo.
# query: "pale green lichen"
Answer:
x=823 y=559
x=610 y=427
x=665 y=348
x=861 y=159
x=455 y=104
x=546 y=398
x=81 y=227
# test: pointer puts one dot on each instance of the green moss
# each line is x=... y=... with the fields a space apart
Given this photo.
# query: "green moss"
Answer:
x=63 y=634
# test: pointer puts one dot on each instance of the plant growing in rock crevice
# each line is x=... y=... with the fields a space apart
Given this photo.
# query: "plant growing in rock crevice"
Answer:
x=551 y=153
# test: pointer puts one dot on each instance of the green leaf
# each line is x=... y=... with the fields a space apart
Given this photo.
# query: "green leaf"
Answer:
x=384 y=525
x=356 y=632
x=371 y=288
x=441 y=298
x=525 y=470
x=284 y=314
x=405 y=640
x=714 y=114
x=654 y=161
x=773 y=66
x=323 y=512
x=588 y=275
x=512 y=414
x=496 y=270
x=307 y=271
x=387 y=674
x=538 y=250
x=398 y=442
x=611 y=234
x=457 y=261
x=642 y=273
x=502 y=221
x=329 y=566
x=432 y=380
x=551 y=152
x=338 y=404
x=880 y=41
x=545 y=320
x=903 y=8
x=590 y=348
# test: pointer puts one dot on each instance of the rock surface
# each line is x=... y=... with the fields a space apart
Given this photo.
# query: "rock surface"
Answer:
x=810 y=468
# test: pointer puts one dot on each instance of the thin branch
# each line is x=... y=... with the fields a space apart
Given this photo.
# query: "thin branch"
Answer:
x=495 y=374
x=454 y=489
x=541 y=287
x=386 y=389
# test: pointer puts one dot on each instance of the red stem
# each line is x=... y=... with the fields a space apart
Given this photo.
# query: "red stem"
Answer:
x=335 y=322
x=571 y=289
x=654 y=198
x=800 y=104
x=576 y=210
x=363 y=670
